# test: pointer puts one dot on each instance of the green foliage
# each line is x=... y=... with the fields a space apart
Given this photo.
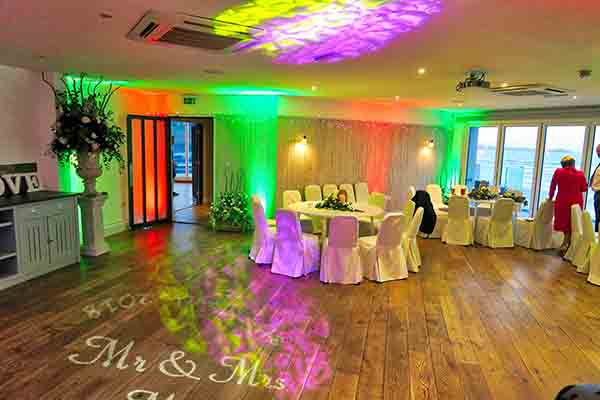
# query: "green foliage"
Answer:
x=232 y=210
x=333 y=203
x=483 y=193
x=83 y=122
x=516 y=196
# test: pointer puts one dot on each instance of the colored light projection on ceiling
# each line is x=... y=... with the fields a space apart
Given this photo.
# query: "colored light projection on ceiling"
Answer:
x=319 y=31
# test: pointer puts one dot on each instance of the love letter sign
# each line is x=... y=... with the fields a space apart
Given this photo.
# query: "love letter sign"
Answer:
x=19 y=178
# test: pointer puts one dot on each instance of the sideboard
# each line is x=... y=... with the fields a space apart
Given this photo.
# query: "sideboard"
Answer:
x=39 y=232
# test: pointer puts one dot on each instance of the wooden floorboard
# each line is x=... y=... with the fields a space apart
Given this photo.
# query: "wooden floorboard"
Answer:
x=206 y=323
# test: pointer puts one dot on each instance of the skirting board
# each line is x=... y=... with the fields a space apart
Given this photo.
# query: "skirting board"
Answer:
x=114 y=228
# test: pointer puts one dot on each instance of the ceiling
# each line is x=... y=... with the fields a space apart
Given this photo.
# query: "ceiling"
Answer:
x=526 y=41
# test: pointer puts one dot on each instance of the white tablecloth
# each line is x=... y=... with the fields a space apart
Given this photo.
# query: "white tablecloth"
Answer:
x=308 y=208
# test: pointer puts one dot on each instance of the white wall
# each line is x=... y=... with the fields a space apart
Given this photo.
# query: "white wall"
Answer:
x=26 y=113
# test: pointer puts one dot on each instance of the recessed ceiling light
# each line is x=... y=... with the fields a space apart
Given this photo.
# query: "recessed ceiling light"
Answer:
x=314 y=88
x=421 y=71
x=574 y=97
x=105 y=15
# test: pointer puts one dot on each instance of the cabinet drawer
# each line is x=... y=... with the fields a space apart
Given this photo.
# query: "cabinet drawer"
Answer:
x=47 y=208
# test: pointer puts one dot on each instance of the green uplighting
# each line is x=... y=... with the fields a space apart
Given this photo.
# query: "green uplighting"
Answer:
x=69 y=181
x=247 y=141
x=252 y=91
x=95 y=80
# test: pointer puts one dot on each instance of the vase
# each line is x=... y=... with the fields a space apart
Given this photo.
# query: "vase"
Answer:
x=88 y=168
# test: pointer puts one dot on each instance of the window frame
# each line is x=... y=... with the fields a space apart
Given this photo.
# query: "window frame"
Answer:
x=542 y=124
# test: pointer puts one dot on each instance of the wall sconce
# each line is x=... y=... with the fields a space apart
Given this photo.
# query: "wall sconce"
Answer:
x=430 y=143
x=302 y=144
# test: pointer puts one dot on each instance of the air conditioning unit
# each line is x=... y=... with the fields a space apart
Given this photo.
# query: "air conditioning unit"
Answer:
x=535 y=89
x=190 y=31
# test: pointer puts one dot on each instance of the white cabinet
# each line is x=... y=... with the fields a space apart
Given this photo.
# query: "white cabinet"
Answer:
x=45 y=236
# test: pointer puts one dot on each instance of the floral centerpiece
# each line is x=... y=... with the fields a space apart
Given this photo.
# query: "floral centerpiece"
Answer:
x=84 y=131
x=231 y=211
x=516 y=196
x=483 y=193
x=333 y=203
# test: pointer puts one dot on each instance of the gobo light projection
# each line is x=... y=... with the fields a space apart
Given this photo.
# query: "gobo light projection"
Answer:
x=325 y=31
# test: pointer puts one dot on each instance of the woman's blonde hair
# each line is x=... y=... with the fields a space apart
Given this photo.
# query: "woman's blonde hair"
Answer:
x=567 y=161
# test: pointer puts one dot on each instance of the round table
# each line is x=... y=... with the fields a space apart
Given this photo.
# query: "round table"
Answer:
x=308 y=208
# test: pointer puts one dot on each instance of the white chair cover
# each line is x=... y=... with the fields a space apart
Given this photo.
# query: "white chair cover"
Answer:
x=594 y=276
x=459 y=230
x=350 y=190
x=291 y=197
x=411 y=192
x=408 y=211
x=296 y=254
x=537 y=234
x=435 y=192
x=340 y=260
x=263 y=244
x=588 y=240
x=409 y=242
x=497 y=231
x=576 y=232
x=362 y=193
x=382 y=256
x=329 y=189
x=313 y=193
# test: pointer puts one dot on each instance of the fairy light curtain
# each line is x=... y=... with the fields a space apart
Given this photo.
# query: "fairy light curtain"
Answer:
x=247 y=144
x=388 y=156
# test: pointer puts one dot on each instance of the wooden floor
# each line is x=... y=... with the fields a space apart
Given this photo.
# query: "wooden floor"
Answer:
x=173 y=310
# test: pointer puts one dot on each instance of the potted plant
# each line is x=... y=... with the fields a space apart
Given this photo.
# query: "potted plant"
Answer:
x=231 y=211
x=84 y=132
x=86 y=136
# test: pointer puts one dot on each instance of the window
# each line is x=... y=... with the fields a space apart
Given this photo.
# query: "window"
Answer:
x=560 y=141
x=524 y=157
x=594 y=162
x=481 y=161
x=518 y=161
x=182 y=149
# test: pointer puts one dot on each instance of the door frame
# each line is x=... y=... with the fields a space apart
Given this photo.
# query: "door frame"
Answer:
x=169 y=191
x=205 y=121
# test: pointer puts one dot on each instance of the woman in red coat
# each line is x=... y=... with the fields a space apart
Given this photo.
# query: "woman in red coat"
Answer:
x=571 y=184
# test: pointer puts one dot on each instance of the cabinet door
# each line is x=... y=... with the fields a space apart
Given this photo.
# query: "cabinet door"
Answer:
x=32 y=238
x=63 y=240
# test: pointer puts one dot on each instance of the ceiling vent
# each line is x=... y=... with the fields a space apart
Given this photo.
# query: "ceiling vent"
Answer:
x=189 y=31
x=531 y=90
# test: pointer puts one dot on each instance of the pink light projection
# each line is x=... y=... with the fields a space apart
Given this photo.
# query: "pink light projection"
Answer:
x=339 y=31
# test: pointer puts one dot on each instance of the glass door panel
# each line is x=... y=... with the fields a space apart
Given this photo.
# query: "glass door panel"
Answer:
x=594 y=162
x=481 y=161
x=518 y=161
x=149 y=170
x=560 y=141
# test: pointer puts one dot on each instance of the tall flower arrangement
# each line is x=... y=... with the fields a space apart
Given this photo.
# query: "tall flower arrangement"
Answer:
x=231 y=211
x=83 y=123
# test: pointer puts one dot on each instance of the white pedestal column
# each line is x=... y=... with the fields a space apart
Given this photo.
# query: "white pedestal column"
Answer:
x=93 y=224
